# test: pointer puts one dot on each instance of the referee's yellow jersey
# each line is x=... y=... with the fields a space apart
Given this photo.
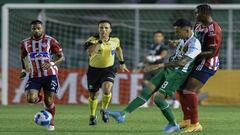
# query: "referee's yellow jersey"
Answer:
x=106 y=53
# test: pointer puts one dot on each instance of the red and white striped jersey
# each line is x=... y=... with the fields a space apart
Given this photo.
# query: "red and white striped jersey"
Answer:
x=210 y=37
x=39 y=52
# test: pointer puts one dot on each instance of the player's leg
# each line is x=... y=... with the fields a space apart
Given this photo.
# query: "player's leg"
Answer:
x=185 y=109
x=50 y=88
x=194 y=83
x=149 y=88
x=32 y=91
x=161 y=103
x=107 y=80
x=93 y=103
x=173 y=81
x=50 y=107
x=94 y=84
x=106 y=98
x=146 y=78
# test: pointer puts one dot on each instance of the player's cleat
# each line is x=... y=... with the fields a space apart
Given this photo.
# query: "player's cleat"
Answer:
x=104 y=114
x=185 y=123
x=171 y=128
x=93 y=120
x=50 y=127
x=117 y=116
x=193 y=128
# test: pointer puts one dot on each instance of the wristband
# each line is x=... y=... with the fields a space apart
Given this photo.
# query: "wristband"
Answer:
x=122 y=62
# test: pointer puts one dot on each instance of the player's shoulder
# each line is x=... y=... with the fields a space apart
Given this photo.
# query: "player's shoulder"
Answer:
x=26 y=40
x=195 y=42
x=22 y=42
x=49 y=37
x=92 y=38
x=115 y=39
x=214 y=26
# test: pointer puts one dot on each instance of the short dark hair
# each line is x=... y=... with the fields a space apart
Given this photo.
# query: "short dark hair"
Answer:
x=36 y=22
x=159 y=31
x=105 y=21
x=205 y=9
x=182 y=23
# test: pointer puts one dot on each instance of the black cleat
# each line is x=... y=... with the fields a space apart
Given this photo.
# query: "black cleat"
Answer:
x=93 y=120
x=105 y=116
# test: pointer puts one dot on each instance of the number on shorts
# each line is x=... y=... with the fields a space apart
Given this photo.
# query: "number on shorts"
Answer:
x=164 y=85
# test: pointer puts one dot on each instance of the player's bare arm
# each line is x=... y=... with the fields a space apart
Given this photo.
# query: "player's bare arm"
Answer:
x=121 y=59
x=60 y=58
x=207 y=54
x=22 y=57
x=178 y=63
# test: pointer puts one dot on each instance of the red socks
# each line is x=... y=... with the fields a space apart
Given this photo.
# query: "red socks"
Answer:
x=192 y=104
x=51 y=109
x=184 y=104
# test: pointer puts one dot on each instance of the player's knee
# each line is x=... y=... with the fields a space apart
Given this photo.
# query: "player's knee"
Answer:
x=32 y=99
x=93 y=95
x=149 y=85
x=106 y=87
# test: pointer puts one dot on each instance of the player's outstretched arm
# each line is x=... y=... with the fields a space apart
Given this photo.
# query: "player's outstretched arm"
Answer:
x=178 y=63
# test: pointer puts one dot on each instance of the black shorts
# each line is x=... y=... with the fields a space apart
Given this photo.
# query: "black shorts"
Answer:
x=48 y=83
x=96 y=76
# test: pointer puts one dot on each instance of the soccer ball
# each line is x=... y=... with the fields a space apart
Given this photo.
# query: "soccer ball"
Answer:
x=43 y=118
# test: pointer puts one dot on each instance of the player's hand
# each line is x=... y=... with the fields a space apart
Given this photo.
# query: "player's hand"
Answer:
x=153 y=67
x=22 y=74
x=136 y=71
x=123 y=68
x=173 y=43
x=46 y=66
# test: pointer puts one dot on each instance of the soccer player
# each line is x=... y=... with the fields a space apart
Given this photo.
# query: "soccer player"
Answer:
x=43 y=70
x=102 y=49
x=157 y=53
x=210 y=35
x=165 y=83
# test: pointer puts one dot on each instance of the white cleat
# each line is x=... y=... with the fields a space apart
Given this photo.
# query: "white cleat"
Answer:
x=50 y=128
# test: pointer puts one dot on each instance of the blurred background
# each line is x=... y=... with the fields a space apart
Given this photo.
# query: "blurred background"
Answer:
x=134 y=25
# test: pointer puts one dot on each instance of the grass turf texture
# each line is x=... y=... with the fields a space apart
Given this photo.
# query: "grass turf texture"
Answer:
x=73 y=119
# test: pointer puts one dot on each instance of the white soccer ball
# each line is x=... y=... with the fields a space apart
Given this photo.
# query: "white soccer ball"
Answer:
x=43 y=118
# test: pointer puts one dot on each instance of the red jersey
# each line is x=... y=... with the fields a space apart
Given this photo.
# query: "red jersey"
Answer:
x=39 y=52
x=210 y=37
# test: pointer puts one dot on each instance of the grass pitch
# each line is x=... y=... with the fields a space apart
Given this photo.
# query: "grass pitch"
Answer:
x=73 y=119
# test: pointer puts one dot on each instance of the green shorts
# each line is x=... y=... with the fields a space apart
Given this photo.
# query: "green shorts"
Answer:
x=169 y=80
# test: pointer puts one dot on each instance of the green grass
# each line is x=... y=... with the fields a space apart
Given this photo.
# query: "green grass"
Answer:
x=73 y=119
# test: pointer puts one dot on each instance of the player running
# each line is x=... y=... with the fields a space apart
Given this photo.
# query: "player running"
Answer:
x=43 y=70
x=102 y=50
x=210 y=35
x=165 y=83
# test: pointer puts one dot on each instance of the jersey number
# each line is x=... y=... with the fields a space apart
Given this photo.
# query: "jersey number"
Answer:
x=164 y=85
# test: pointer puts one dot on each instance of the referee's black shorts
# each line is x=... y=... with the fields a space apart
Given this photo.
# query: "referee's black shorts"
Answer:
x=96 y=76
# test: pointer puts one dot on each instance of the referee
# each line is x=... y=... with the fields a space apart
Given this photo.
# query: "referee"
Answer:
x=101 y=50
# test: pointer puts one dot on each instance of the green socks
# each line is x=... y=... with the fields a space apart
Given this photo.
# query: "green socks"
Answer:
x=166 y=110
x=137 y=102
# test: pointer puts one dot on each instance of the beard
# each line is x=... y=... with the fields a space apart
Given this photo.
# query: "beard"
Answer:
x=37 y=35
